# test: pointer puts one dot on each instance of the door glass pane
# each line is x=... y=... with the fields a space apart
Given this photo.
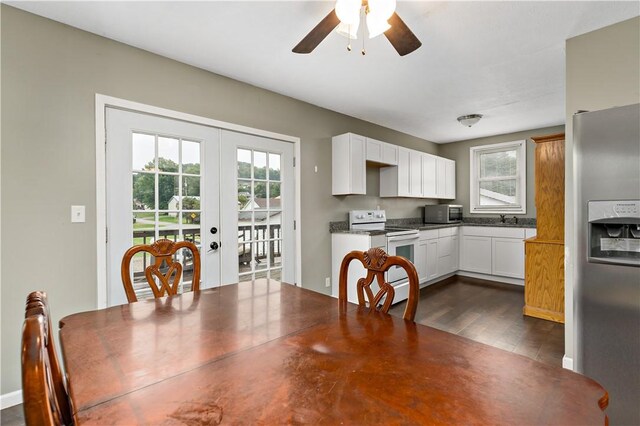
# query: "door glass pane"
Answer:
x=259 y=195
x=274 y=195
x=144 y=191
x=144 y=228
x=244 y=163
x=191 y=188
x=166 y=203
x=276 y=249
x=168 y=225
x=144 y=152
x=168 y=196
x=259 y=215
x=260 y=255
x=497 y=164
x=244 y=195
x=191 y=157
x=259 y=165
x=498 y=192
x=274 y=166
x=168 y=154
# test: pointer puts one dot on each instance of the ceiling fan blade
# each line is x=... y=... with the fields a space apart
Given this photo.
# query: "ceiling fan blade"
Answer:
x=315 y=37
x=401 y=37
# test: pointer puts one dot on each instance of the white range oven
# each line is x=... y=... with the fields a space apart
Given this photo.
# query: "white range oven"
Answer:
x=400 y=242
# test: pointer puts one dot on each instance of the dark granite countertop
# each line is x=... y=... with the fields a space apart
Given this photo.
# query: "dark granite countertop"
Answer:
x=416 y=223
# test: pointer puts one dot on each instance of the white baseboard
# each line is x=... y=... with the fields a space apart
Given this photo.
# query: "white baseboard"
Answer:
x=507 y=280
x=10 y=399
x=567 y=363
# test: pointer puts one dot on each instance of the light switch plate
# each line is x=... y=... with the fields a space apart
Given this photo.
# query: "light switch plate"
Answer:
x=77 y=214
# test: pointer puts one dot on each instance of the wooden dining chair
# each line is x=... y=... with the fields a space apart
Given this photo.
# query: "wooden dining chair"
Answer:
x=376 y=261
x=163 y=251
x=45 y=397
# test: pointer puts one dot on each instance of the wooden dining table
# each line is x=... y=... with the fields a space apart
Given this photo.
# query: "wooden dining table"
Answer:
x=266 y=352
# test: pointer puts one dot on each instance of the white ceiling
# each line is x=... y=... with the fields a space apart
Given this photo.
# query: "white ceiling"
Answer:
x=504 y=60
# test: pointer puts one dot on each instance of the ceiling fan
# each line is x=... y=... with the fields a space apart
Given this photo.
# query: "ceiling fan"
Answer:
x=380 y=17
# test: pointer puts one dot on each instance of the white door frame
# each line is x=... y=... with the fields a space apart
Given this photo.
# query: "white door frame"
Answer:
x=102 y=101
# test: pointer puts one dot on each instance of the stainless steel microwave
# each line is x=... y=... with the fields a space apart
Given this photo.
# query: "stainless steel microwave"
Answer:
x=442 y=213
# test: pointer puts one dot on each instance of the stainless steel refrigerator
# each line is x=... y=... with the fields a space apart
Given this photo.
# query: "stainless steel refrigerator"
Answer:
x=607 y=291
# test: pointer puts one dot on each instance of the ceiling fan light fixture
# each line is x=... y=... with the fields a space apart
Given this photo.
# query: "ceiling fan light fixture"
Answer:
x=383 y=9
x=376 y=25
x=348 y=11
x=469 y=120
x=349 y=31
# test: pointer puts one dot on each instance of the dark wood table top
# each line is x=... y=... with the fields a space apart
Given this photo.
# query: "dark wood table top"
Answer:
x=271 y=353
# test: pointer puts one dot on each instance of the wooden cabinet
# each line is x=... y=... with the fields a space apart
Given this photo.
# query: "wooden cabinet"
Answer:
x=382 y=152
x=348 y=173
x=544 y=254
x=544 y=280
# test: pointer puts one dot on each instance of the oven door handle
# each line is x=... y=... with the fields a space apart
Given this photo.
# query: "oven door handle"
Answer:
x=402 y=238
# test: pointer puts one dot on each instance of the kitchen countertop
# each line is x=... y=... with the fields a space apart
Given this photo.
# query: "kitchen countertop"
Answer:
x=413 y=223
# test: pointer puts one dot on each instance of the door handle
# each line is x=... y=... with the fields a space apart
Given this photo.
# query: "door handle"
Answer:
x=214 y=246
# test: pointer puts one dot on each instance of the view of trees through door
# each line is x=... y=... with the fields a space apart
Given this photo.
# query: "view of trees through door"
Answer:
x=259 y=214
x=166 y=199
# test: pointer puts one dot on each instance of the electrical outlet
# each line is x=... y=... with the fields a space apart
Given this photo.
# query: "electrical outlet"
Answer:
x=327 y=282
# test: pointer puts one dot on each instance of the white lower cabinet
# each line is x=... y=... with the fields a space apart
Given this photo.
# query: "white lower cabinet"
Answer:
x=421 y=260
x=507 y=257
x=476 y=254
x=432 y=259
x=497 y=251
x=455 y=253
x=438 y=250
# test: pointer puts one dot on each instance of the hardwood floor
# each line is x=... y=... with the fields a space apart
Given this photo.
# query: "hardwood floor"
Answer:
x=12 y=416
x=491 y=313
x=484 y=311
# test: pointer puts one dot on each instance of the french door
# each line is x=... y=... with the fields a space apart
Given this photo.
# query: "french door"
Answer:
x=230 y=193
x=258 y=199
x=162 y=182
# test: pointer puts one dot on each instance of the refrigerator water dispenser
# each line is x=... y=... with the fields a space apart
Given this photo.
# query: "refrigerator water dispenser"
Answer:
x=614 y=232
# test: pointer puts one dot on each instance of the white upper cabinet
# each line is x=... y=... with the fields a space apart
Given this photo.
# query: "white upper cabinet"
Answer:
x=445 y=178
x=348 y=156
x=415 y=165
x=450 y=180
x=404 y=180
x=429 y=189
x=382 y=152
x=410 y=173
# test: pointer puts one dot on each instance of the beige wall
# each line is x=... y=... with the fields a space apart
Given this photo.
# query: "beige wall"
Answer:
x=459 y=151
x=50 y=75
x=603 y=71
